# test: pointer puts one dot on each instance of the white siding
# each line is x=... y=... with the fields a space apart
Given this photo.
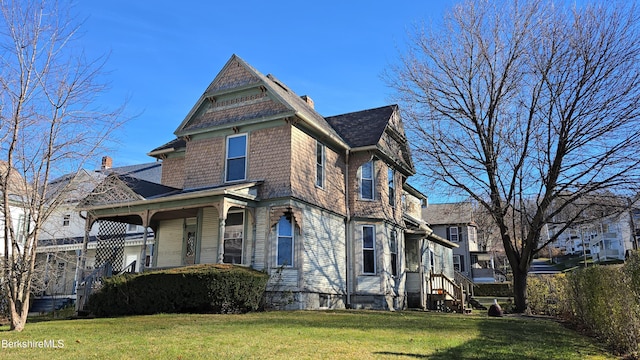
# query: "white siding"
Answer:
x=323 y=251
x=169 y=243
x=369 y=284
x=210 y=235
x=262 y=230
x=283 y=279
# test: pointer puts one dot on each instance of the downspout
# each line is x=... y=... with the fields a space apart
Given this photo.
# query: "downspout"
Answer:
x=347 y=226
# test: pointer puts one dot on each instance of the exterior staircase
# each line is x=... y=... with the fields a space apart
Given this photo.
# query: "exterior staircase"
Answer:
x=445 y=294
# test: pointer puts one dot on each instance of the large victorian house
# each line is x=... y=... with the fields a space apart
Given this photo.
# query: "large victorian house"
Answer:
x=256 y=177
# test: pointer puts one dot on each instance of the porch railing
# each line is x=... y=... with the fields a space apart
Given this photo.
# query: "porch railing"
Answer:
x=442 y=285
x=91 y=282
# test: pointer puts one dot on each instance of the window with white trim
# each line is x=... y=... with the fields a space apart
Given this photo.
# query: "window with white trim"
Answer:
x=394 y=253
x=285 y=242
x=233 y=238
x=453 y=234
x=320 y=154
x=458 y=263
x=366 y=181
x=236 y=158
x=66 y=219
x=472 y=234
x=392 y=186
x=368 y=249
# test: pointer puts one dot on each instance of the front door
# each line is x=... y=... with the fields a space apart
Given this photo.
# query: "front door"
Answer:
x=189 y=247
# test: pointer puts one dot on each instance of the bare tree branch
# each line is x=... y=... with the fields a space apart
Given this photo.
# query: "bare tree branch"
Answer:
x=51 y=125
x=528 y=108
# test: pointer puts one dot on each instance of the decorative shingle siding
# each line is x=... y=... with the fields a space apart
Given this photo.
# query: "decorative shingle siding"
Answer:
x=269 y=160
x=234 y=75
x=378 y=208
x=204 y=162
x=240 y=109
x=303 y=173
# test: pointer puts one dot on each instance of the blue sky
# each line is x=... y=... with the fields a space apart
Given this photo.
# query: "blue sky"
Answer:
x=163 y=54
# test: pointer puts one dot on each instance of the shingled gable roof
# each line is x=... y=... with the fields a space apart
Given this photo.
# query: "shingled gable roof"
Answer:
x=362 y=128
x=291 y=103
x=365 y=128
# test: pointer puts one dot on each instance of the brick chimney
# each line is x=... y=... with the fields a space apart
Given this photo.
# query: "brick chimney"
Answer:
x=107 y=162
x=308 y=100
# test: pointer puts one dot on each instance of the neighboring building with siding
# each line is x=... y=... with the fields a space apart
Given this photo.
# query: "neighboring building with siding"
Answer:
x=455 y=222
x=62 y=235
x=256 y=177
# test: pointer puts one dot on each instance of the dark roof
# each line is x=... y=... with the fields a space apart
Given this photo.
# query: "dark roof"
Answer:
x=151 y=172
x=146 y=189
x=173 y=144
x=362 y=128
x=448 y=213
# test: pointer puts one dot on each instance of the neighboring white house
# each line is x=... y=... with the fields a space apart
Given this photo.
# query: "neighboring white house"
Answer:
x=606 y=239
x=610 y=238
x=61 y=239
x=17 y=208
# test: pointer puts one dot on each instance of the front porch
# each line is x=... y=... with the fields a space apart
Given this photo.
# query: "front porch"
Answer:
x=431 y=284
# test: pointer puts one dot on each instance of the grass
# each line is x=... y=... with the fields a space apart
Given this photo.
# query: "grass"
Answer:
x=304 y=335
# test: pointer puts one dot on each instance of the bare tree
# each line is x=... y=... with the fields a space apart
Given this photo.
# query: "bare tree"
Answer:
x=527 y=107
x=49 y=125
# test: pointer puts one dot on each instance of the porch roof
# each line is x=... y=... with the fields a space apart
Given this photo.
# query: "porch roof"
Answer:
x=245 y=191
x=419 y=227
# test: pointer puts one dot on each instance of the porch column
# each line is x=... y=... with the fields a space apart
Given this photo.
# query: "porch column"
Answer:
x=223 y=222
x=143 y=255
x=82 y=256
x=423 y=290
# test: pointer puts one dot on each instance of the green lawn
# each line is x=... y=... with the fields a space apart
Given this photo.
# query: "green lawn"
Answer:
x=303 y=334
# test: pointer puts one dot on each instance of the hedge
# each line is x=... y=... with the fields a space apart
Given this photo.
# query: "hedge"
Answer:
x=493 y=289
x=602 y=299
x=606 y=301
x=210 y=288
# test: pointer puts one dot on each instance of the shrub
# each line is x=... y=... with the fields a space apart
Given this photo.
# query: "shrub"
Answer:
x=493 y=289
x=193 y=289
x=547 y=295
x=604 y=299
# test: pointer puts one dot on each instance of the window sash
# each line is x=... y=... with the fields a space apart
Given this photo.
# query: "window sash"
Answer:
x=366 y=181
x=394 y=254
x=453 y=234
x=284 y=256
x=320 y=161
x=392 y=190
x=368 y=249
x=236 y=158
x=458 y=263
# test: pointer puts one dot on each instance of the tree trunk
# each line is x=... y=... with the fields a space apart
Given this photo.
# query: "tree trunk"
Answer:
x=520 y=289
x=18 y=312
